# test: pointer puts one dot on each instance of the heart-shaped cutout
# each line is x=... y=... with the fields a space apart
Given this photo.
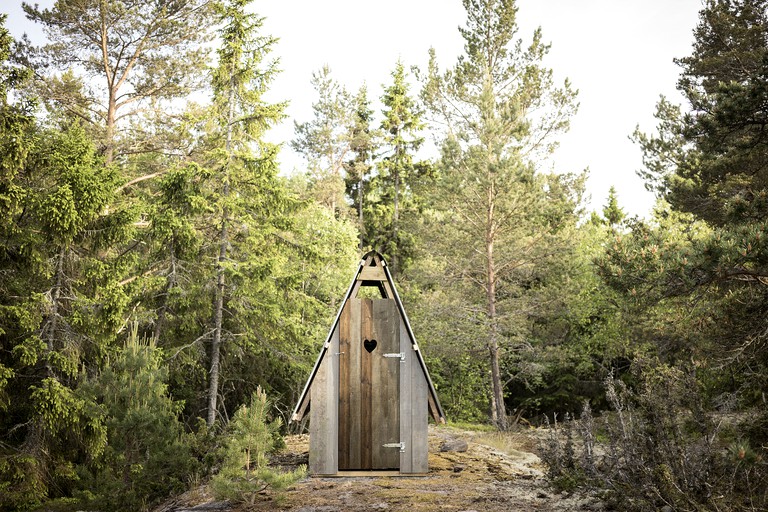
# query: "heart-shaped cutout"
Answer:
x=370 y=345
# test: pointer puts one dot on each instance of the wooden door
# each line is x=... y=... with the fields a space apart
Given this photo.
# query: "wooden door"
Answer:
x=369 y=385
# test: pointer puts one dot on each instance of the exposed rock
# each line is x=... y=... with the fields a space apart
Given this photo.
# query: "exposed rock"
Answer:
x=454 y=445
x=491 y=477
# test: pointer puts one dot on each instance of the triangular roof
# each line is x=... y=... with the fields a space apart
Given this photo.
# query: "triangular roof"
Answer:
x=372 y=271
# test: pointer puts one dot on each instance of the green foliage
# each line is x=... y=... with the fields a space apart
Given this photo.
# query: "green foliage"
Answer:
x=146 y=456
x=612 y=212
x=495 y=223
x=689 y=284
x=250 y=437
x=458 y=377
x=88 y=248
x=393 y=204
x=58 y=311
x=325 y=140
x=109 y=63
x=705 y=260
x=248 y=203
x=115 y=210
x=662 y=449
x=363 y=145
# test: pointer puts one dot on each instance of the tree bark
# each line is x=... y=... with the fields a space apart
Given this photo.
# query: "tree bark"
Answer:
x=218 y=313
x=50 y=336
x=493 y=350
x=497 y=398
x=110 y=75
x=218 y=307
x=395 y=219
x=170 y=284
x=360 y=206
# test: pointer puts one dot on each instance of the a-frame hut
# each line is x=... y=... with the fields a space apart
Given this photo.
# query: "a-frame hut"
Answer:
x=369 y=394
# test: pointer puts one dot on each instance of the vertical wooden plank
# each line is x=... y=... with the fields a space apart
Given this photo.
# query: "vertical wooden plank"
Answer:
x=393 y=391
x=344 y=388
x=377 y=411
x=323 y=426
x=353 y=357
x=386 y=384
x=332 y=398
x=406 y=431
x=378 y=365
x=366 y=383
x=318 y=417
x=419 y=418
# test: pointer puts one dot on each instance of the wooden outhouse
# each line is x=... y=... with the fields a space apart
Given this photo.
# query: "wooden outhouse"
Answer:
x=369 y=394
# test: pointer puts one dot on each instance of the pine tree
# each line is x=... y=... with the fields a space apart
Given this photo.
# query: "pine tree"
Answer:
x=117 y=60
x=707 y=162
x=146 y=456
x=500 y=108
x=325 y=140
x=250 y=438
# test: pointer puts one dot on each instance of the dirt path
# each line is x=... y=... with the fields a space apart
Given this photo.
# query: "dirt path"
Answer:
x=483 y=478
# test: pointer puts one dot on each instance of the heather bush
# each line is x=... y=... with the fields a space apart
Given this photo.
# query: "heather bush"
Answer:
x=662 y=450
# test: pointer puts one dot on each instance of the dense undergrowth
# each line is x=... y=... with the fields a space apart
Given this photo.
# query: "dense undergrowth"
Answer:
x=660 y=448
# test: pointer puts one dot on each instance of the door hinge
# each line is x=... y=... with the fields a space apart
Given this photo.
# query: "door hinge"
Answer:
x=401 y=355
x=395 y=445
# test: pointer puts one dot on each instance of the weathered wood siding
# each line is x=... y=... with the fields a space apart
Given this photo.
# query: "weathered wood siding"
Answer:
x=385 y=389
x=369 y=385
x=350 y=371
x=413 y=409
x=324 y=414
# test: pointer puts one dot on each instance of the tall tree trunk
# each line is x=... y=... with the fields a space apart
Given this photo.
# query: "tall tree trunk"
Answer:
x=360 y=206
x=112 y=87
x=53 y=323
x=497 y=398
x=218 y=313
x=218 y=307
x=170 y=284
x=396 y=217
x=55 y=294
x=109 y=150
x=493 y=346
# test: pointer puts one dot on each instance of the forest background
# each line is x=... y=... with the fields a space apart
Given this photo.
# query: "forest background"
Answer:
x=157 y=268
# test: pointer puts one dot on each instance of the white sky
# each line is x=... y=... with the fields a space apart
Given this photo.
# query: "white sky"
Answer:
x=618 y=53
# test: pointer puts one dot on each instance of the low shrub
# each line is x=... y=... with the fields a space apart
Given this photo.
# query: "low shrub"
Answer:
x=250 y=438
x=663 y=450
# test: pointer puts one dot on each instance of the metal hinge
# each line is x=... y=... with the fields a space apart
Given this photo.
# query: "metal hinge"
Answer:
x=401 y=355
x=395 y=445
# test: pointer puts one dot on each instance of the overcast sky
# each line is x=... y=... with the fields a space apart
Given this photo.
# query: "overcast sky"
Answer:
x=618 y=53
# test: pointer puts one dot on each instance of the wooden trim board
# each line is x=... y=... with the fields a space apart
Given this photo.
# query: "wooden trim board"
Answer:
x=369 y=474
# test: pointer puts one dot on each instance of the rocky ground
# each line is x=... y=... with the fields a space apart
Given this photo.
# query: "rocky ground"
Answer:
x=495 y=473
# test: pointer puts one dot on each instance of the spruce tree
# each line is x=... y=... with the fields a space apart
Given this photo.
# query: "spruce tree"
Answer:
x=64 y=305
x=363 y=144
x=612 y=212
x=398 y=170
x=246 y=195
